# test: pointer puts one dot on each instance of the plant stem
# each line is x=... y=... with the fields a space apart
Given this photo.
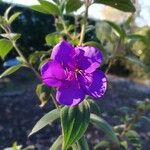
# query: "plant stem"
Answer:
x=83 y=28
x=54 y=101
x=25 y=60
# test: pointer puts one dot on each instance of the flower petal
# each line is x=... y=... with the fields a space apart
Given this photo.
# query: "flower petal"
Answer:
x=70 y=95
x=63 y=52
x=53 y=74
x=94 y=84
x=88 y=58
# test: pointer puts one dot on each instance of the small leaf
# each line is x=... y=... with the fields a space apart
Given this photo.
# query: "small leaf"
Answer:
x=105 y=127
x=11 y=70
x=52 y=39
x=14 y=17
x=81 y=144
x=102 y=145
x=74 y=121
x=47 y=119
x=120 y=32
x=43 y=93
x=124 y=144
x=46 y=7
x=134 y=138
x=12 y=36
x=72 y=5
x=6 y=14
x=135 y=60
x=5 y=47
x=124 y=5
x=57 y=144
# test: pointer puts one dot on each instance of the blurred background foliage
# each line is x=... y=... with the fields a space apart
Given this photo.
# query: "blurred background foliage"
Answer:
x=133 y=50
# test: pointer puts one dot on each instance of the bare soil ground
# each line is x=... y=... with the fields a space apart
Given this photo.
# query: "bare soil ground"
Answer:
x=19 y=110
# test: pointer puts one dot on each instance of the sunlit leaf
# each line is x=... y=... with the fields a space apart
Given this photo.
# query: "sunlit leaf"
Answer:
x=5 y=47
x=12 y=36
x=124 y=5
x=11 y=70
x=52 y=39
x=46 y=7
x=47 y=119
x=14 y=17
x=72 y=5
x=74 y=121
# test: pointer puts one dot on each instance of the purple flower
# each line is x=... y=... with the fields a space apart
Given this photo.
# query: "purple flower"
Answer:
x=74 y=72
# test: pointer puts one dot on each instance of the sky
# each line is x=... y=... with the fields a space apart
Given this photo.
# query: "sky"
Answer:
x=96 y=11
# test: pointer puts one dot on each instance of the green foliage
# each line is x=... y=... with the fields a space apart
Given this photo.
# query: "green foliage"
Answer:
x=72 y=5
x=124 y=5
x=105 y=127
x=134 y=138
x=12 y=36
x=5 y=47
x=52 y=39
x=46 y=7
x=74 y=121
x=10 y=70
x=81 y=144
x=57 y=144
x=47 y=119
x=14 y=17
x=43 y=93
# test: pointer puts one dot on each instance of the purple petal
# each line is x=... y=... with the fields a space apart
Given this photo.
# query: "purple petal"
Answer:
x=94 y=84
x=63 y=52
x=88 y=58
x=53 y=74
x=70 y=95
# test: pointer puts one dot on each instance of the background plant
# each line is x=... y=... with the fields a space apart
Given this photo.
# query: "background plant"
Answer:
x=78 y=32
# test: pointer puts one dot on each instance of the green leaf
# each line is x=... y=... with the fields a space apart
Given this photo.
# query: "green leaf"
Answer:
x=47 y=119
x=105 y=127
x=46 y=7
x=102 y=145
x=43 y=93
x=94 y=107
x=136 y=37
x=119 y=31
x=72 y=5
x=52 y=39
x=134 y=138
x=74 y=121
x=57 y=144
x=124 y=144
x=81 y=144
x=12 y=36
x=6 y=14
x=11 y=70
x=14 y=17
x=135 y=60
x=124 y=5
x=5 y=47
